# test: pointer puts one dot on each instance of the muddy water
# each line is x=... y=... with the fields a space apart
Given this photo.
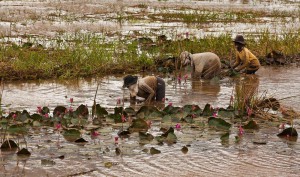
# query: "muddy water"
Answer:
x=207 y=155
x=281 y=83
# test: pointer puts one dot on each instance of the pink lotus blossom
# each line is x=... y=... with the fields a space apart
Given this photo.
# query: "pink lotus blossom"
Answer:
x=179 y=79
x=241 y=130
x=71 y=100
x=118 y=101
x=249 y=111
x=39 y=109
x=123 y=118
x=95 y=133
x=185 y=77
x=215 y=114
x=58 y=126
x=170 y=104
x=46 y=115
x=187 y=35
x=116 y=139
x=14 y=116
x=177 y=126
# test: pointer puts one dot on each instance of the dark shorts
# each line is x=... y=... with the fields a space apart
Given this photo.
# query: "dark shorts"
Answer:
x=161 y=89
x=251 y=71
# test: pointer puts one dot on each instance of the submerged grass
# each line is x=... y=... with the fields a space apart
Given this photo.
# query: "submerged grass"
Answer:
x=87 y=54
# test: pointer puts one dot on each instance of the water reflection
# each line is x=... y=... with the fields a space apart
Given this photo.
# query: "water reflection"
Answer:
x=280 y=83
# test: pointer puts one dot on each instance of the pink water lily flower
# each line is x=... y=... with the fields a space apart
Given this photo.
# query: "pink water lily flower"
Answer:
x=14 y=116
x=215 y=114
x=71 y=100
x=39 y=109
x=116 y=139
x=170 y=104
x=46 y=115
x=118 y=101
x=95 y=133
x=177 y=126
x=123 y=118
x=58 y=126
x=185 y=77
x=249 y=111
x=187 y=35
x=241 y=130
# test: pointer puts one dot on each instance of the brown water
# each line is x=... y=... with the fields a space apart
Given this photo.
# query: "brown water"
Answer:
x=207 y=155
x=280 y=83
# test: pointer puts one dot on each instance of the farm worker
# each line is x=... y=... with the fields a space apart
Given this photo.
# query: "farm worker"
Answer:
x=204 y=65
x=245 y=60
x=149 y=87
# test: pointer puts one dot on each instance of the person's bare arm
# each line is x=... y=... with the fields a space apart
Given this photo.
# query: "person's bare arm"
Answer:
x=149 y=90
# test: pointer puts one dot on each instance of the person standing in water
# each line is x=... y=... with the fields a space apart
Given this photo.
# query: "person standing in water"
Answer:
x=246 y=62
x=150 y=87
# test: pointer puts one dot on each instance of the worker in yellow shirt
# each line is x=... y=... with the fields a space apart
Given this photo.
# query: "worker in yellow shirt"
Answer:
x=245 y=61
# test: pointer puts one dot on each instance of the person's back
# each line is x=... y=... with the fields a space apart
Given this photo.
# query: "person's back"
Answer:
x=205 y=65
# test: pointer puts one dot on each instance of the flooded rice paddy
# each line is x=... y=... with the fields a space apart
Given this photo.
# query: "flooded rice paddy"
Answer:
x=258 y=153
x=207 y=155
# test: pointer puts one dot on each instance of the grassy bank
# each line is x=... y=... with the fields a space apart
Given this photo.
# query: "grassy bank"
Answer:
x=90 y=55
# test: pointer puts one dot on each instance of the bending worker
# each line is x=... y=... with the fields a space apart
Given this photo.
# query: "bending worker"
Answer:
x=245 y=61
x=150 y=87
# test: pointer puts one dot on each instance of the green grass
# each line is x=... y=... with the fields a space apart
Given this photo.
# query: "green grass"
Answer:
x=90 y=55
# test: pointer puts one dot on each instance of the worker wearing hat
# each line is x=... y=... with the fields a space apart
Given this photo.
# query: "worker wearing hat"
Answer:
x=245 y=60
x=149 y=87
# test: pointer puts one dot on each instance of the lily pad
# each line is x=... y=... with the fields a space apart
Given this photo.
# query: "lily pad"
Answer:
x=184 y=149
x=100 y=112
x=124 y=134
x=288 y=132
x=9 y=144
x=145 y=111
x=23 y=151
x=251 y=125
x=171 y=110
x=225 y=137
x=82 y=111
x=138 y=125
x=145 y=136
x=17 y=129
x=218 y=123
x=226 y=113
x=118 y=151
x=36 y=117
x=47 y=162
x=207 y=111
x=168 y=137
x=71 y=134
x=80 y=140
x=59 y=110
x=154 y=151
x=130 y=111
x=116 y=117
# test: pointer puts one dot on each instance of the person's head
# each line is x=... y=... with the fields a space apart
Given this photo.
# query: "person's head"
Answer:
x=239 y=42
x=185 y=58
x=129 y=80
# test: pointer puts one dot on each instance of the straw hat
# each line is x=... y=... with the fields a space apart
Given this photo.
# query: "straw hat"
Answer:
x=129 y=80
x=239 y=39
